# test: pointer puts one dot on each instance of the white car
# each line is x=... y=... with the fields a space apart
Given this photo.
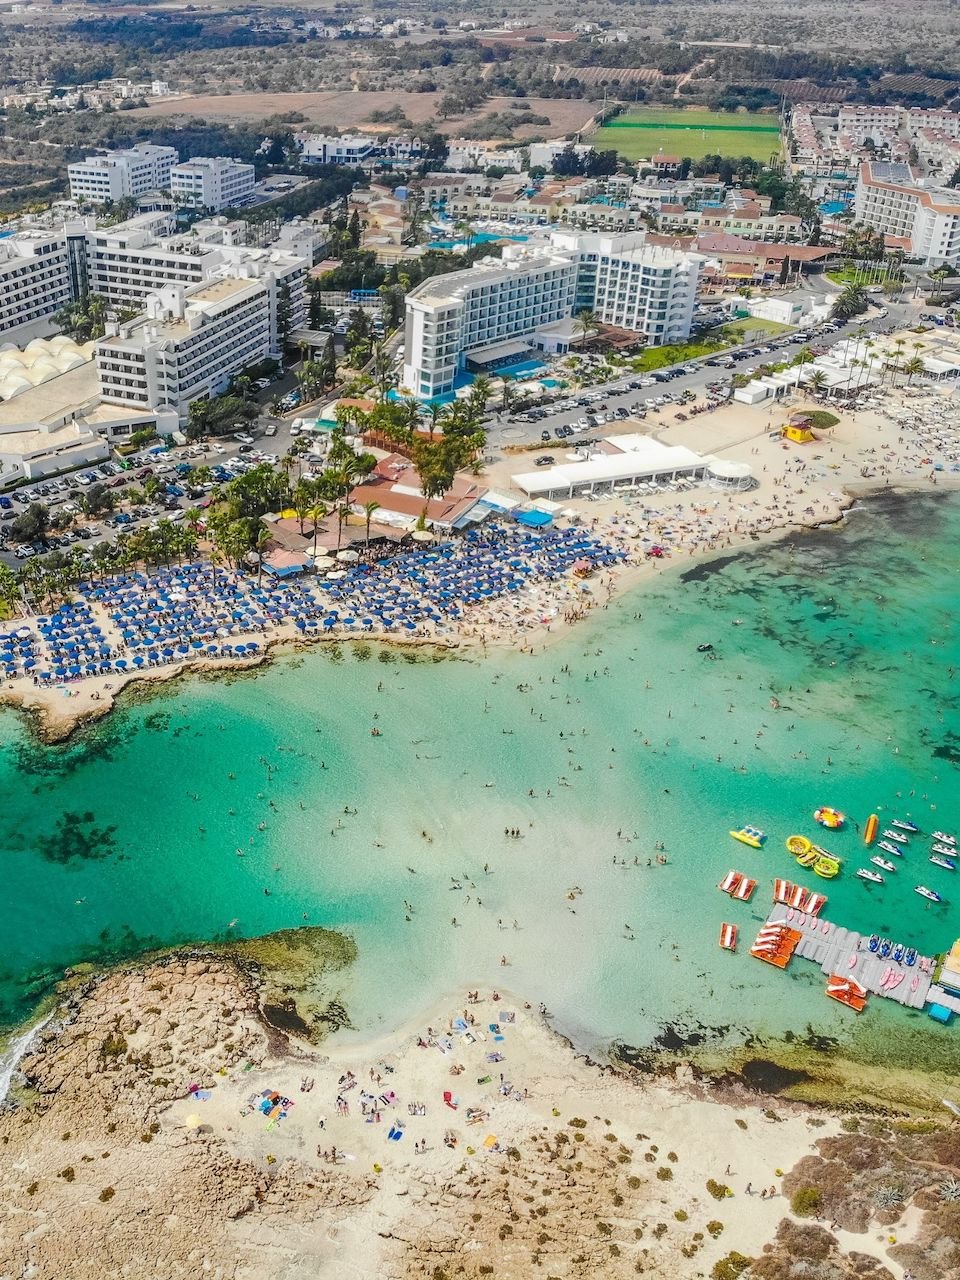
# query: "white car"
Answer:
x=271 y=429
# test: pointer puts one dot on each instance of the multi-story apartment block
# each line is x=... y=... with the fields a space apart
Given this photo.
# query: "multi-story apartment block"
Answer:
x=348 y=149
x=212 y=182
x=925 y=218
x=186 y=344
x=116 y=175
x=34 y=278
x=482 y=315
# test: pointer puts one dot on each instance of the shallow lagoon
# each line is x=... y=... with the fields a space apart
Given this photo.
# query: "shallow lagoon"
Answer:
x=129 y=838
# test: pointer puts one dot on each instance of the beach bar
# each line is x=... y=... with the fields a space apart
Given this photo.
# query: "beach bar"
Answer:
x=620 y=462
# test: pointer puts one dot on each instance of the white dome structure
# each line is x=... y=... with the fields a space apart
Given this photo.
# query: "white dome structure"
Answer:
x=726 y=474
x=40 y=361
x=13 y=384
x=66 y=360
x=42 y=371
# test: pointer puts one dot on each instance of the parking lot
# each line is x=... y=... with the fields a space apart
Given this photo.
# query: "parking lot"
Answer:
x=556 y=422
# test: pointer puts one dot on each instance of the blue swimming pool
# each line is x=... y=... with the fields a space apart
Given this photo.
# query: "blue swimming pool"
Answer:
x=479 y=237
x=523 y=369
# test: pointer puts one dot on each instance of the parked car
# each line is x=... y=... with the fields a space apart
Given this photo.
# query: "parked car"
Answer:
x=545 y=460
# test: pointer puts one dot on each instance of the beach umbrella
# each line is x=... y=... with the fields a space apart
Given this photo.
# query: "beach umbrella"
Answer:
x=329 y=622
x=74 y=670
x=213 y=648
x=193 y=1122
x=139 y=660
x=196 y=644
x=183 y=648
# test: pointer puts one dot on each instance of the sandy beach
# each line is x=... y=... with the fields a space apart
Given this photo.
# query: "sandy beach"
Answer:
x=472 y=1142
x=887 y=446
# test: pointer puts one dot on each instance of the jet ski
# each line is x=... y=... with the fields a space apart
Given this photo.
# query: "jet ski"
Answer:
x=886 y=946
x=948 y=850
x=898 y=836
x=887 y=847
x=929 y=894
x=883 y=864
x=874 y=942
x=942 y=835
x=873 y=876
x=910 y=827
x=942 y=862
x=898 y=952
x=911 y=957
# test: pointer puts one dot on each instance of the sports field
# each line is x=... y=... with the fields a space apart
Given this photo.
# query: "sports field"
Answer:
x=640 y=135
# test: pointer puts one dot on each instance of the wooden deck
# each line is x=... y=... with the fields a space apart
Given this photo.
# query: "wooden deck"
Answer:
x=833 y=947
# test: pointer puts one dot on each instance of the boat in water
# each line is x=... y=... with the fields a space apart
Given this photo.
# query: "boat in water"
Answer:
x=911 y=828
x=883 y=863
x=752 y=836
x=929 y=894
x=874 y=877
x=939 y=861
x=728 y=937
x=897 y=836
x=948 y=850
x=828 y=817
x=945 y=838
x=847 y=991
x=887 y=847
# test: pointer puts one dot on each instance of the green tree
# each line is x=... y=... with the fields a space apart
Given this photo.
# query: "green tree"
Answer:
x=98 y=498
x=368 y=509
x=32 y=524
x=284 y=314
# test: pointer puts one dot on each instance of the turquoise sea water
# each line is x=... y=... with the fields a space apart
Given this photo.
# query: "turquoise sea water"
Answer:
x=129 y=837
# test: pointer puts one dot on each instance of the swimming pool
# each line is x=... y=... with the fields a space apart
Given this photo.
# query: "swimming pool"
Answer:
x=523 y=369
x=479 y=237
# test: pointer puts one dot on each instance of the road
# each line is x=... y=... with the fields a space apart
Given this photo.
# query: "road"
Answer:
x=502 y=431
x=508 y=431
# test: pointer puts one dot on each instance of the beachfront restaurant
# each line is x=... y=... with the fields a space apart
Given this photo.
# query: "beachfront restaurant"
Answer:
x=622 y=462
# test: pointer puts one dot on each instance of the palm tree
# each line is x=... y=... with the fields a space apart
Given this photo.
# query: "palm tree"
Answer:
x=913 y=368
x=480 y=393
x=368 y=509
x=803 y=356
x=263 y=537
x=316 y=513
x=585 y=322
x=817 y=382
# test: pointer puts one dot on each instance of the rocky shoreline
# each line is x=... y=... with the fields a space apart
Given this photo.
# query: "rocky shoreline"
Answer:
x=131 y=1129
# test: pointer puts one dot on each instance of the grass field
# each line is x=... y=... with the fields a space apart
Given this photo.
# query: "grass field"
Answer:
x=640 y=135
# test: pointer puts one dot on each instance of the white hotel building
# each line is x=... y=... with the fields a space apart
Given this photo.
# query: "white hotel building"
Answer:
x=34 y=279
x=212 y=182
x=117 y=175
x=502 y=308
x=186 y=344
x=926 y=218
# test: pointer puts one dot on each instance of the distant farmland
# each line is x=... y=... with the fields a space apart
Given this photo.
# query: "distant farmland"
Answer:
x=640 y=135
